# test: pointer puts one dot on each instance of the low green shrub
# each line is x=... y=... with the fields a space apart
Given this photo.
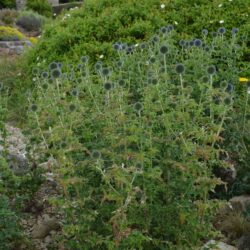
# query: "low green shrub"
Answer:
x=137 y=140
x=30 y=21
x=99 y=23
x=40 y=6
x=10 y=231
x=8 y=16
x=7 y=4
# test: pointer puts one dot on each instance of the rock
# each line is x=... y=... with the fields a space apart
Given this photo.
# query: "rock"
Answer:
x=244 y=242
x=240 y=203
x=215 y=245
x=16 y=149
x=42 y=229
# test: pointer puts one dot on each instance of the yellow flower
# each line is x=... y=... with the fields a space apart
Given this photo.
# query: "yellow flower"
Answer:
x=243 y=79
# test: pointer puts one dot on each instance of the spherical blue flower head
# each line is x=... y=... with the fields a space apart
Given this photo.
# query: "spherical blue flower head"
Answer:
x=108 y=86
x=53 y=65
x=143 y=45
x=214 y=34
x=120 y=63
x=116 y=46
x=170 y=27
x=221 y=31
x=124 y=46
x=234 y=31
x=164 y=30
x=35 y=71
x=45 y=86
x=85 y=59
x=155 y=39
x=121 y=82
x=197 y=42
x=204 y=32
x=56 y=73
x=216 y=100
x=75 y=92
x=138 y=106
x=228 y=100
x=72 y=107
x=105 y=71
x=50 y=80
x=164 y=49
x=206 y=48
x=33 y=107
x=59 y=65
x=205 y=79
x=182 y=43
x=80 y=66
x=211 y=70
x=191 y=43
x=129 y=50
x=45 y=75
x=229 y=88
x=179 y=68
x=186 y=45
x=96 y=155
x=98 y=66
x=152 y=59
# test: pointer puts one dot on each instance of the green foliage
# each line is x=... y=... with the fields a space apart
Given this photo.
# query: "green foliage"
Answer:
x=137 y=140
x=30 y=20
x=98 y=24
x=40 y=6
x=10 y=231
x=7 y=4
x=8 y=16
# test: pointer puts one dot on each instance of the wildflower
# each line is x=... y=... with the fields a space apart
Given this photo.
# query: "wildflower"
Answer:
x=98 y=66
x=53 y=65
x=96 y=154
x=182 y=43
x=116 y=46
x=170 y=27
x=204 y=32
x=107 y=86
x=45 y=75
x=164 y=49
x=85 y=59
x=234 y=31
x=72 y=107
x=121 y=83
x=229 y=88
x=138 y=106
x=33 y=107
x=179 y=68
x=211 y=70
x=221 y=21
x=220 y=5
x=143 y=46
x=101 y=56
x=45 y=86
x=75 y=92
x=221 y=30
x=120 y=64
x=56 y=73
x=197 y=42
x=163 y=30
x=243 y=79
x=35 y=71
x=205 y=79
x=176 y=23
x=163 y=6
x=105 y=71
x=152 y=59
